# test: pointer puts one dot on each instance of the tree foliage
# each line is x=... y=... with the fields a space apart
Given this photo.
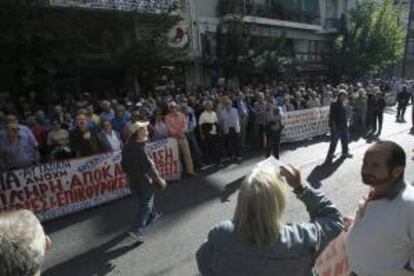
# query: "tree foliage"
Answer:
x=370 y=41
x=149 y=48
x=37 y=42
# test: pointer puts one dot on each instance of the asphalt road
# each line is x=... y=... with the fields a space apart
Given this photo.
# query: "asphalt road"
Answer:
x=94 y=242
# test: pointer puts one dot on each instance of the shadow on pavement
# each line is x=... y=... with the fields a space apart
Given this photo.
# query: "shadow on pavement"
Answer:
x=303 y=144
x=323 y=171
x=231 y=189
x=94 y=262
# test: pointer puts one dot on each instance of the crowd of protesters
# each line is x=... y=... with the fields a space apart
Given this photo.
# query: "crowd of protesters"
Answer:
x=209 y=125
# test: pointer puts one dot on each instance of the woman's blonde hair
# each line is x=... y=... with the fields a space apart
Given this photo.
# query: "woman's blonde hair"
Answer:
x=260 y=205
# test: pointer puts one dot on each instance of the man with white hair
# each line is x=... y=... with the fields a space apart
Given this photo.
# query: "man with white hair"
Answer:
x=23 y=244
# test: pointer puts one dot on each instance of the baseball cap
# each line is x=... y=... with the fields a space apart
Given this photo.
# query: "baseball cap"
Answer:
x=136 y=126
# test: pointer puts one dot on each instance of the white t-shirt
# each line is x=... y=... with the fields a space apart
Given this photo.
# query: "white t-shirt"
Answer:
x=381 y=242
x=113 y=140
x=209 y=118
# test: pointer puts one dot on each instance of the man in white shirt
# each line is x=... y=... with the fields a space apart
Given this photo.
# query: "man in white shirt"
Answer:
x=230 y=123
x=381 y=240
x=110 y=136
x=208 y=123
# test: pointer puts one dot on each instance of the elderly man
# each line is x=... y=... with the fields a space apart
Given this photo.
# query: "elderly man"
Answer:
x=230 y=124
x=142 y=176
x=177 y=127
x=381 y=240
x=107 y=112
x=23 y=244
x=338 y=124
x=17 y=150
x=85 y=141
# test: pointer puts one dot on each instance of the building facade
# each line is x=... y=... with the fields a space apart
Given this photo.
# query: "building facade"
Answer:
x=309 y=26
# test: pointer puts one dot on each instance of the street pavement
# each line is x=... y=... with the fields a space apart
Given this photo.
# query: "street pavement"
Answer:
x=94 y=242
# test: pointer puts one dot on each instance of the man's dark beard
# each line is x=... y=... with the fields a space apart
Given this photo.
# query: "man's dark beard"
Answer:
x=373 y=181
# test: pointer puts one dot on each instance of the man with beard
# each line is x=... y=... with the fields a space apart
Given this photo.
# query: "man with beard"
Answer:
x=381 y=240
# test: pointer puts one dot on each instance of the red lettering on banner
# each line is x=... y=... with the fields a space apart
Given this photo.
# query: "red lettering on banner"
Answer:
x=168 y=153
x=104 y=187
x=60 y=199
x=122 y=182
x=56 y=186
x=31 y=191
x=112 y=184
x=87 y=177
x=75 y=182
x=96 y=188
x=3 y=199
x=69 y=196
x=118 y=170
x=16 y=195
x=53 y=203
x=97 y=175
x=43 y=188
x=176 y=166
x=105 y=172
x=89 y=192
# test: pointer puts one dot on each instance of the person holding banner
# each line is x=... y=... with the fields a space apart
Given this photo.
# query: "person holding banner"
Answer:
x=257 y=242
x=143 y=177
x=338 y=124
x=381 y=239
x=177 y=126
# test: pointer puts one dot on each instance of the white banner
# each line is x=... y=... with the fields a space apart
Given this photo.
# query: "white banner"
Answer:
x=303 y=124
x=148 y=6
x=56 y=189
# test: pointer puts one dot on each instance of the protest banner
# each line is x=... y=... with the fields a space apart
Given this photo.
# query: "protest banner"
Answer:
x=148 y=6
x=303 y=124
x=56 y=189
x=333 y=261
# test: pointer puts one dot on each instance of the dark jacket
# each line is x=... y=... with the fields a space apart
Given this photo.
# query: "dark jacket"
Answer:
x=138 y=166
x=82 y=147
x=337 y=116
x=403 y=98
x=379 y=105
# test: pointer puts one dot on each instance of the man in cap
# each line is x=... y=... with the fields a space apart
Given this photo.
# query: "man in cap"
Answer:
x=143 y=177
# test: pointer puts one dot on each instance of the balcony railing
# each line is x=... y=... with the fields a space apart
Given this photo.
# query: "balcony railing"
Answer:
x=144 y=6
x=304 y=58
x=281 y=12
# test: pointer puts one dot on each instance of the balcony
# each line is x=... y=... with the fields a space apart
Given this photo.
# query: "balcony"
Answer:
x=304 y=12
x=308 y=58
x=143 y=6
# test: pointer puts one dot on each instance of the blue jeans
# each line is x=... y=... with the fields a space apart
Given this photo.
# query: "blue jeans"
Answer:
x=145 y=206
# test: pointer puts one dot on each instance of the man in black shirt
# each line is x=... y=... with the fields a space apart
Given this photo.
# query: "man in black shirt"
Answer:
x=402 y=99
x=378 y=112
x=338 y=124
x=142 y=177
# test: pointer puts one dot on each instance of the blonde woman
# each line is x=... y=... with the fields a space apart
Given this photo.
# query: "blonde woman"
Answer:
x=257 y=242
